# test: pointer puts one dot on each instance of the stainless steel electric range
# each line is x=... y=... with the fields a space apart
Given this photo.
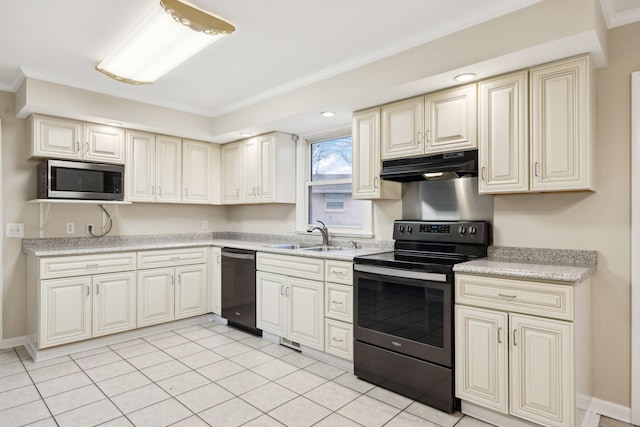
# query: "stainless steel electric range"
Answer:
x=403 y=308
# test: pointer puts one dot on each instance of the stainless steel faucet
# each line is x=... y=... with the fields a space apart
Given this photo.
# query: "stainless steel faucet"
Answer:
x=323 y=230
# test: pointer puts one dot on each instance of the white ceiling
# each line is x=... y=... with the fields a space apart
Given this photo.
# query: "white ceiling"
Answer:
x=278 y=45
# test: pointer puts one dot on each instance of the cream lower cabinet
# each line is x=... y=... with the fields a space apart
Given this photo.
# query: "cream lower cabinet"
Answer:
x=172 y=284
x=338 y=312
x=216 y=280
x=72 y=298
x=518 y=347
x=289 y=306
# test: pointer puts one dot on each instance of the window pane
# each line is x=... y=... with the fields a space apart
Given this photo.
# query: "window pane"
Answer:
x=333 y=205
x=331 y=159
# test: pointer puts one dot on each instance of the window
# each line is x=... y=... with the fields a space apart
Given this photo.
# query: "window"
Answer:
x=327 y=174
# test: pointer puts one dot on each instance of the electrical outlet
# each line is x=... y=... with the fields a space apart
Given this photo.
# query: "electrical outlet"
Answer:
x=205 y=224
x=88 y=229
x=14 y=229
x=71 y=228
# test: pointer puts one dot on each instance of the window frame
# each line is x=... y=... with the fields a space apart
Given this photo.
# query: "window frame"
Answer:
x=303 y=178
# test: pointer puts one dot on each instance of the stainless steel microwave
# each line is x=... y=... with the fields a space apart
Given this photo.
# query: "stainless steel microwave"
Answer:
x=61 y=179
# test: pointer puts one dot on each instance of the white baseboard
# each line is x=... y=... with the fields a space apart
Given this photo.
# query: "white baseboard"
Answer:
x=13 y=342
x=611 y=410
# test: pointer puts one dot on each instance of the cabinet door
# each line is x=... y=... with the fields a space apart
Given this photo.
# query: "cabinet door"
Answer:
x=561 y=146
x=168 y=169
x=403 y=129
x=216 y=280
x=306 y=312
x=114 y=303
x=267 y=168
x=503 y=135
x=231 y=157
x=141 y=166
x=541 y=370
x=65 y=310
x=155 y=296
x=339 y=339
x=196 y=172
x=250 y=170
x=191 y=290
x=481 y=357
x=450 y=120
x=55 y=138
x=104 y=144
x=338 y=302
x=271 y=303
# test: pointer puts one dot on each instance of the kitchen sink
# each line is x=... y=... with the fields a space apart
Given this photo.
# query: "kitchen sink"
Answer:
x=324 y=248
x=295 y=246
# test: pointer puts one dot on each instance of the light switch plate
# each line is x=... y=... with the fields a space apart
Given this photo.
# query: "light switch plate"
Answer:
x=14 y=229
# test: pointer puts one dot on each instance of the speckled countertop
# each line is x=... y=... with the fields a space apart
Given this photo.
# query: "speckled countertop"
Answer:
x=572 y=266
x=250 y=241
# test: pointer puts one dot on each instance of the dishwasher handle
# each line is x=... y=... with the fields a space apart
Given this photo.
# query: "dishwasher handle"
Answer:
x=239 y=255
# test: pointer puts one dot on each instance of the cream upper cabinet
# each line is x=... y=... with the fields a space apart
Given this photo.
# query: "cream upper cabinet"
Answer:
x=561 y=121
x=141 y=167
x=197 y=171
x=438 y=122
x=104 y=144
x=154 y=168
x=450 y=120
x=59 y=138
x=259 y=170
x=503 y=150
x=522 y=347
x=231 y=172
x=366 y=159
x=402 y=129
x=168 y=169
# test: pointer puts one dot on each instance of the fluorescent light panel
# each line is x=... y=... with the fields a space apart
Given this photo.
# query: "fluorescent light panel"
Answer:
x=165 y=39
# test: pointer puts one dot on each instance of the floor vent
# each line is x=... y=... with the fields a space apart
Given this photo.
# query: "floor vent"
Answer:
x=292 y=344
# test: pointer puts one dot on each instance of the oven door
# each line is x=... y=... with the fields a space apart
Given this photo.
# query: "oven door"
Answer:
x=405 y=311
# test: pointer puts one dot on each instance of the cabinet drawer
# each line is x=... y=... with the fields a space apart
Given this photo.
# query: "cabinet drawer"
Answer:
x=338 y=339
x=338 y=272
x=172 y=257
x=514 y=295
x=338 y=300
x=293 y=266
x=79 y=265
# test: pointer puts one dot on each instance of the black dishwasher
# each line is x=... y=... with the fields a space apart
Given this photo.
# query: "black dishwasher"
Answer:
x=239 y=288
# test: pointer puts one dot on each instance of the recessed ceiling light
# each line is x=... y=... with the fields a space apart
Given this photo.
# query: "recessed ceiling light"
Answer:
x=328 y=114
x=245 y=134
x=466 y=77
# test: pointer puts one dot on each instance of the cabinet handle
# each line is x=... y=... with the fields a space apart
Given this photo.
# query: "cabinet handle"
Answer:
x=375 y=182
x=427 y=135
x=281 y=289
x=86 y=147
x=180 y=279
x=337 y=339
x=97 y=288
x=419 y=139
x=337 y=273
x=506 y=295
x=337 y=302
x=153 y=190
x=171 y=280
x=88 y=291
x=253 y=190
x=499 y=335
x=536 y=169
x=258 y=189
x=186 y=192
x=159 y=191
x=515 y=335
x=92 y=265
x=175 y=258
x=286 y=291
x=482 y=175
x=237 y=192
x=218 y=259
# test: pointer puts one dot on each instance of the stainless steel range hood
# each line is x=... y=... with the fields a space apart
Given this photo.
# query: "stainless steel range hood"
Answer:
x=438 y=166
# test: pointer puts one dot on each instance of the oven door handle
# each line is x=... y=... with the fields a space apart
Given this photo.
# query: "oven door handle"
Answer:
x=395 y=272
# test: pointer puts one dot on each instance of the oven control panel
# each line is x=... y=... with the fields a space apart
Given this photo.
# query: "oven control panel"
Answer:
x=475 y=232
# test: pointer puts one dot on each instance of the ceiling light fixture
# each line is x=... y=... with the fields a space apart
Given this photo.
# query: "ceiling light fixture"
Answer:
x=328 y=114
x=165 y=39
x=466 y=77
x=245 y=134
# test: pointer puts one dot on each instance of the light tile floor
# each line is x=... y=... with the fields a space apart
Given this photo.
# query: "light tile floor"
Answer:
x=208 y=374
